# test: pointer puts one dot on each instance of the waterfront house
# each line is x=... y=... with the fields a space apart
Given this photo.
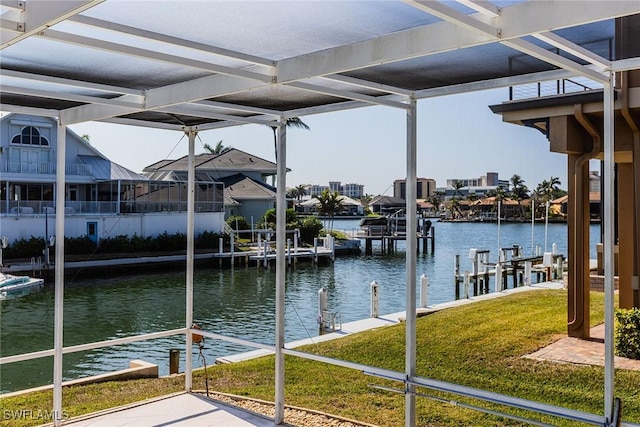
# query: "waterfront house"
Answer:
x=103 y=199
x=244 y=176
x=348 y=205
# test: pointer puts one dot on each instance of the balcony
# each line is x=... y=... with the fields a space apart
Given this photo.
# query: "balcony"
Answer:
x=22 y=208
x=45 y=168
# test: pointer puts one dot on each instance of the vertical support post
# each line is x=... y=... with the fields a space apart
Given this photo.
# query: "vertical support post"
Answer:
x=231 y=246
x=281 y=208
x=375 y=299
x=58 y=342
x=456 y=274
x=322 y=308
x=533 y=223
x=499 y=278
x=608 y=247
x=411 y=262
x=424 y=291
x=527 y=273
x=191 y=176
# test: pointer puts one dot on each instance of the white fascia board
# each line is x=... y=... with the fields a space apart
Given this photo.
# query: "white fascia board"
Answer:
x=245 y=108
x=120 y=28
x=39 y=15
x=515 y=21
x=149 y=54
x=40 y=78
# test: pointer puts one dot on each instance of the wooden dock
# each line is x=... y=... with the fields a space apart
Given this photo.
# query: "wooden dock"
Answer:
x=388 y=242
x=265 y=253
x=519 y=268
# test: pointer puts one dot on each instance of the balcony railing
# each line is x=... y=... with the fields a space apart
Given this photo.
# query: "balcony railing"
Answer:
x=551 y=88
x=45 y=168
x=21 y=208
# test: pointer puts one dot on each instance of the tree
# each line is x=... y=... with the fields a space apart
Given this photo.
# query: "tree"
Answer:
x=218 y=149
x=457 y=186
x=519 y=192
x=330 y=204
x=291 y=122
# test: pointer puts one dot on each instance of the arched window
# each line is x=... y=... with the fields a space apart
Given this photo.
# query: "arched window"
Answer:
x=30 y=136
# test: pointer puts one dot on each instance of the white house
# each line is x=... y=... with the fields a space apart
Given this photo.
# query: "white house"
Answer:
x=103 y=199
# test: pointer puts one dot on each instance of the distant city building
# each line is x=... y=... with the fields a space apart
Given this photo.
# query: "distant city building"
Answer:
x=426 y=187
x=478 y=186
x=316 y=190
x=594 y=182
x=489 y=180
x=355 y=191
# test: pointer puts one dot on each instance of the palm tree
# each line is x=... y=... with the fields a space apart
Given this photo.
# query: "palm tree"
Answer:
x=457 y=186
x=218 y=149
x=519 y=192
x=301 y=191
x=330 y=204
x=291 y=122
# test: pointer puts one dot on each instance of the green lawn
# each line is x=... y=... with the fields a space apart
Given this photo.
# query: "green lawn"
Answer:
x=478 y=345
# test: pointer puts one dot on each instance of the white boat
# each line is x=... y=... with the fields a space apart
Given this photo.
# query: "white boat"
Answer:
x=16 y=286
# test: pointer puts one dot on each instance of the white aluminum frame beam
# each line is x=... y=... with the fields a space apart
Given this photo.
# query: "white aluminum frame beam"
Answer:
x=137 y=52
x=609 y=240
x=41 y=78
x=39 y=93
x=183 y=43
x=446 y=36
x=39 y=15
x=411 y=262
x=574 y=49
x=191 y=133
x=58 y=331
x=347 y=95
x=468 y=22
x=281 y=267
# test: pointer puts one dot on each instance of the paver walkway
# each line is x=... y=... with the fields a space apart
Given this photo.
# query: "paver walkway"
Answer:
x=585 y=352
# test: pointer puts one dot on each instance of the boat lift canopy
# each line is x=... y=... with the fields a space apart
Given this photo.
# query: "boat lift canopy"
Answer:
x=193 y=66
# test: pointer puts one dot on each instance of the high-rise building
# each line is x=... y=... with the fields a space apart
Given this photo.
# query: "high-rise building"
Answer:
x=426 y=187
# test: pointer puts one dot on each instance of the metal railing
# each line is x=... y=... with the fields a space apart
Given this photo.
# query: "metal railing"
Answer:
x=45 y=168
x=552 y=88
x=25 y=208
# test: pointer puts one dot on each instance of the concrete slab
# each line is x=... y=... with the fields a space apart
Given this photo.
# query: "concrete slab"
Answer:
x=175 y=410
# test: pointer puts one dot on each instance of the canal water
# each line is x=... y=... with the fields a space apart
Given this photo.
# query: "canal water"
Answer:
x=239 y=302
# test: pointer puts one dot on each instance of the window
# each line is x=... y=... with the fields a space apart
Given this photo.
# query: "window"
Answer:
x=30 y=135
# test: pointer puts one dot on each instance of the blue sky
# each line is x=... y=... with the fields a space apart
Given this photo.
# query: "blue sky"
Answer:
x=458 y=137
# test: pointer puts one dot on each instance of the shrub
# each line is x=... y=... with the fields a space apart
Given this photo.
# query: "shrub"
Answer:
x=238 y=222
x=79 y=245
x=627 y=334
x=24 y=248
x=309 y=229
x=269 y=218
